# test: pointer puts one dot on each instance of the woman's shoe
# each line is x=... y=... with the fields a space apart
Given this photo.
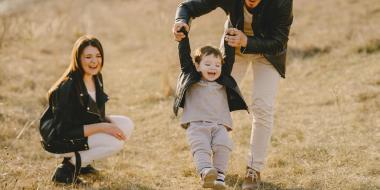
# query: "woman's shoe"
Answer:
x=65 y=173
x=88 y=170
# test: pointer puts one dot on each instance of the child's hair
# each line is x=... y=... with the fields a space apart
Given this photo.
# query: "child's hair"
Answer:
x=207 y=50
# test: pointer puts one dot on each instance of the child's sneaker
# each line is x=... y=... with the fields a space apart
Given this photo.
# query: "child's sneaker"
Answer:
x=219 y=182
x=208 y=176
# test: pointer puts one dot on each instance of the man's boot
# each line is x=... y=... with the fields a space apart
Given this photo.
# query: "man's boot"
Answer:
x=252 y=180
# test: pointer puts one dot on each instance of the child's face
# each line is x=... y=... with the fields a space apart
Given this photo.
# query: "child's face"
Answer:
x=210 y=67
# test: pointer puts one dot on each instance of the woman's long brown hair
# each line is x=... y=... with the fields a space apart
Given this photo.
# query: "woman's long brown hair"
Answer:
x=75 y=64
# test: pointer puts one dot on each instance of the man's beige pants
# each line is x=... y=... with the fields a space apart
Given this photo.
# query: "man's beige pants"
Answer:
x=264 y=89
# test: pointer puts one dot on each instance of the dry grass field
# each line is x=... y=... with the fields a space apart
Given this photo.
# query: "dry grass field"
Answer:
x=327 y=123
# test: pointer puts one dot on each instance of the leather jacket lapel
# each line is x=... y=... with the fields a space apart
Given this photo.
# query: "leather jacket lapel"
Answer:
x=92 y=107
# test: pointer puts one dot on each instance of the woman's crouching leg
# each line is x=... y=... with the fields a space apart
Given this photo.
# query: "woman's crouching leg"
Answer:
x=101 y=146
x=123 y=123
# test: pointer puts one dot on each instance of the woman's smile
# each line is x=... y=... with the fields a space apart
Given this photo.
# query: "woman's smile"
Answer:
x=91 y=60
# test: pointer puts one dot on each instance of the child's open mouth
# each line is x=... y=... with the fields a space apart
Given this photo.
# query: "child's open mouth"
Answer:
x=212 y=74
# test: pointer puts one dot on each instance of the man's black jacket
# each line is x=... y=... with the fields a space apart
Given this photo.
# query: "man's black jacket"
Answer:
x=271 y=24
x=189 y=76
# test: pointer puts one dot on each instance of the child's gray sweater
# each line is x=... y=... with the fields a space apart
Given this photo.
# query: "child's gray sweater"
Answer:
x=206 y=101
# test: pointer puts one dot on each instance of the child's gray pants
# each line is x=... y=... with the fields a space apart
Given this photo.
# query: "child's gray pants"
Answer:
x=209 y=140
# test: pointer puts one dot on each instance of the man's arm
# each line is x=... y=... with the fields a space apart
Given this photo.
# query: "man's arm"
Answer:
x=195 y=8
x=276 y=40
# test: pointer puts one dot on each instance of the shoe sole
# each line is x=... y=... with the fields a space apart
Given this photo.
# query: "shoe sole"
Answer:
x=250 y=187
x=209 y=179
x=77 y=182
x=219 y=187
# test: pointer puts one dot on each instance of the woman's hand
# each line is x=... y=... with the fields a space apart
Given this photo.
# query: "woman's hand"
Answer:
x=108 y=128
x=113 y=130
x=236 y=38
x=178 y=36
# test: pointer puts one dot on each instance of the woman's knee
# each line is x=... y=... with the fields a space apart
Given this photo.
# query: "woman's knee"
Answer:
x=126 y=122
x=123 y=123
x=116 y=145
x=105 y=140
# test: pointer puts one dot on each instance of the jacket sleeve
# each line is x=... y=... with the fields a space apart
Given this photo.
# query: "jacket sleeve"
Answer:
x=275 y=41
x=62 y=101
x=190 y=9
x=184 y=51
x=229 y=59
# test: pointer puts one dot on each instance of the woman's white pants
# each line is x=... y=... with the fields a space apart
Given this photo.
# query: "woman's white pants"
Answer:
x=102 y=145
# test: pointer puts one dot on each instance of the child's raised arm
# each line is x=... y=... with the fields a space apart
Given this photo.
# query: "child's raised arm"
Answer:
x=229 y=58
x=184 y=52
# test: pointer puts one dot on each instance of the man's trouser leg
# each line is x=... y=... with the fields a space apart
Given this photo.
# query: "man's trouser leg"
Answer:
x=264 y=90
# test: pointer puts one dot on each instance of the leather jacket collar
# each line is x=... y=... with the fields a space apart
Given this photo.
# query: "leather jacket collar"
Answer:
x=86 y=101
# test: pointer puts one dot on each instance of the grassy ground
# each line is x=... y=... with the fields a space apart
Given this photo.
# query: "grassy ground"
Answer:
x=327 y=123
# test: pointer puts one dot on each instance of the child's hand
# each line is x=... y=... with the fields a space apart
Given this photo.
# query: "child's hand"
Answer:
x=178 y=36
x=235 y=38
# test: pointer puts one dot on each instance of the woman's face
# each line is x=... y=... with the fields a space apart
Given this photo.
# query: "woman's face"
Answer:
x=91 y=60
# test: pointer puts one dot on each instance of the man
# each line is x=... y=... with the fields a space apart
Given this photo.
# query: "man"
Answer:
x=259 y=30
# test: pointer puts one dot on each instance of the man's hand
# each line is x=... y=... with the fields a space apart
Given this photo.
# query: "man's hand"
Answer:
x=178 y=36
x=236 y=38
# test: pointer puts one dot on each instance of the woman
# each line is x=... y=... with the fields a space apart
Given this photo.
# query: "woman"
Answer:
x=75 y=126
